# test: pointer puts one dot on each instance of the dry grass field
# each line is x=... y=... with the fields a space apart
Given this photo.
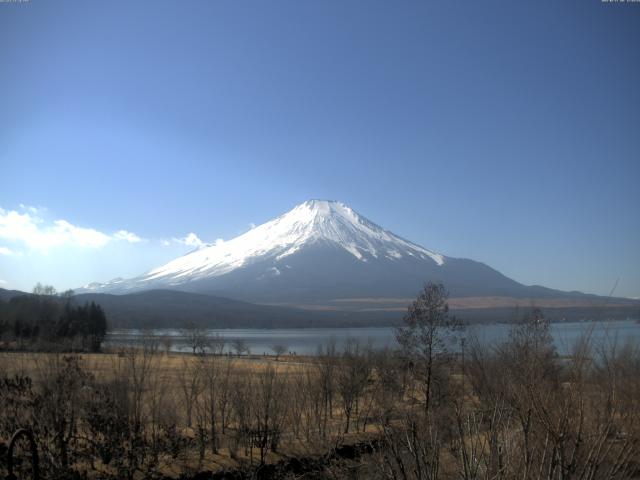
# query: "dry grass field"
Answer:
x=186 y=391
x=516 y=410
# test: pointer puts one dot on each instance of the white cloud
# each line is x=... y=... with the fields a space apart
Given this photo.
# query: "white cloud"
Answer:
x=3 y=282
x=127 y=236
x=34 y=232
x=6 y=251
x=191 y=239
x=252 y=226
x=33 y=210
x=65 y=233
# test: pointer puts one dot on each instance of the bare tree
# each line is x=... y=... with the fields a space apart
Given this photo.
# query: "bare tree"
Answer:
x=240 y=346
x=189 y=381
x=197 y=339
x=40 y=289
x=167 y=342
x=352 y=377
x=326 y=365
x=224 y=394
x=509 y=411
x=212 y=372
x=269 y=411
x=425 y=334
x=241 y=392
x=278 y=350
x=390 y=384
x=62 y=379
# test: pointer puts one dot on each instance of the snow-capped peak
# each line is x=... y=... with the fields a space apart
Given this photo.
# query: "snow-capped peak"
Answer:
x=336 y=222
x=310 y=222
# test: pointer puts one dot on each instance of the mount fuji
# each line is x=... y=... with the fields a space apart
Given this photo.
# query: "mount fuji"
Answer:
x=322 y=253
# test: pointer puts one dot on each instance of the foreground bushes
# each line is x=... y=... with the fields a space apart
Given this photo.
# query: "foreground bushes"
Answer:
x=512 y=411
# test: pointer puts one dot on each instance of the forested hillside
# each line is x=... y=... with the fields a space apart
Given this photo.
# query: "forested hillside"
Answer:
x=44 y=320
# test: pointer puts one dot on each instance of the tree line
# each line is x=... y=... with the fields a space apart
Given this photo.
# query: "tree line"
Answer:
x=46 y=320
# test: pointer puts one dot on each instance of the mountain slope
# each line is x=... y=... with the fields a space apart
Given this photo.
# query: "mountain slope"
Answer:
x=321 y=251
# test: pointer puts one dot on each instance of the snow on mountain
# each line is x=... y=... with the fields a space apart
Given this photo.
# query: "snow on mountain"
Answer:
x=97 y=286
x=314 y=222
x=308 y=223
x=323 y=255
x=317 y=252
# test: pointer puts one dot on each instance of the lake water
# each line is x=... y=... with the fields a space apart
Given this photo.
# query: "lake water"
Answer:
x=306 y=340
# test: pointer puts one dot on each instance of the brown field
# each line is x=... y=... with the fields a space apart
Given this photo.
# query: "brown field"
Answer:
x=171 y=365
x=518 y=411
x=166 y=380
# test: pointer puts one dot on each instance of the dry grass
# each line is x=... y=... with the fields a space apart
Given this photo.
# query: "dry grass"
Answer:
x=476 y=423
x=166 y=377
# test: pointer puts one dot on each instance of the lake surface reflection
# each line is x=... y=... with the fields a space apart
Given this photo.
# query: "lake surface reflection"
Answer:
x=305 y=341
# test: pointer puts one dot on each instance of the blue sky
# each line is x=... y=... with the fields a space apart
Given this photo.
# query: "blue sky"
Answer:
x=506 y=132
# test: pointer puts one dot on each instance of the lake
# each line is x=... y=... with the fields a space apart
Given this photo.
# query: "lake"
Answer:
x=305 y=341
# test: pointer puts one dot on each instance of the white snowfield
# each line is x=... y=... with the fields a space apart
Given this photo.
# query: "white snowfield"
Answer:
x=312 y=222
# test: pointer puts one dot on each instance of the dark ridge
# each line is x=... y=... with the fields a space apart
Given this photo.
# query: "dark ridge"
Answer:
x=176 y=309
